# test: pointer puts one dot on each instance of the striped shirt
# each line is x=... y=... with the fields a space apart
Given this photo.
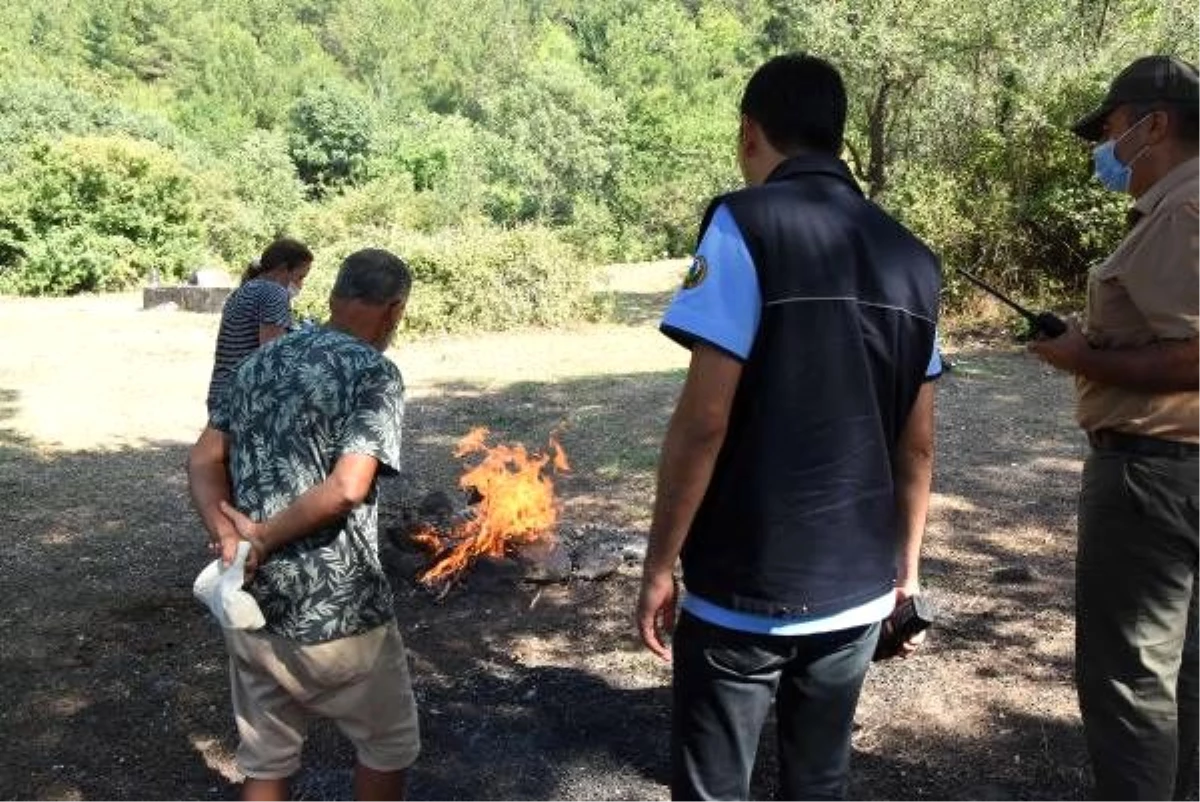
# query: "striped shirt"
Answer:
x=258 y=302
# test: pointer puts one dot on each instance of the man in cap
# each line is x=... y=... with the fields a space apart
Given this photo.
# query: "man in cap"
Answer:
x=1135 y=367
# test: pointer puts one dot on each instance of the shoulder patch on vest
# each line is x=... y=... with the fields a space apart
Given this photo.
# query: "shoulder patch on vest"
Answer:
x=697 y=272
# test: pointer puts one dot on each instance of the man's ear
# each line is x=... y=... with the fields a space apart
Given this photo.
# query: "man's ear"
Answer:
x=1160 y=126
x=749 y=135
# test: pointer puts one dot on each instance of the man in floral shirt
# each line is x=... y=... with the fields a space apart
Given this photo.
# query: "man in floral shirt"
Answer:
x=288 y=462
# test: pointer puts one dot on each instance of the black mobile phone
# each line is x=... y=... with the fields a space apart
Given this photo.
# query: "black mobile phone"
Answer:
x=914 y=614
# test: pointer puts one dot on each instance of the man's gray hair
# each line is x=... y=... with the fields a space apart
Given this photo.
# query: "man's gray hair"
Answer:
x=374 y=276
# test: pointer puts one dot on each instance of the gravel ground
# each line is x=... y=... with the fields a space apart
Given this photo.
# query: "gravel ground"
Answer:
x=114 y=681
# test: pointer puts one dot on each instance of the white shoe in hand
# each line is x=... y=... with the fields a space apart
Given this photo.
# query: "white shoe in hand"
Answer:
x=220 y=589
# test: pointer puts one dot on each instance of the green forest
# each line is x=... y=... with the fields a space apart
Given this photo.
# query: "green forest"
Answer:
x=506 y=148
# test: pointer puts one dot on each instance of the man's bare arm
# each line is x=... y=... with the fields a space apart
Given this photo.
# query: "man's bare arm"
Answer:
x=208 y=484
x=693 y=441
x=1162 y=367
x=914 y=477
x=319 y=506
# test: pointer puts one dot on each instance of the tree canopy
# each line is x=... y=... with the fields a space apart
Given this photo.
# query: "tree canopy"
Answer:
x=166 y=134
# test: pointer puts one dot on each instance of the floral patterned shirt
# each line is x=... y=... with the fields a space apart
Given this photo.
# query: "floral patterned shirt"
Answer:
x=295 y=406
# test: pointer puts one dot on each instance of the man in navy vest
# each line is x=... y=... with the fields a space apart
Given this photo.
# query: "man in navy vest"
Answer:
x=794 y=477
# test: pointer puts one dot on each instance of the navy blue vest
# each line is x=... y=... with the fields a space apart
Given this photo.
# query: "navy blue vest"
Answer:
x=799 y=517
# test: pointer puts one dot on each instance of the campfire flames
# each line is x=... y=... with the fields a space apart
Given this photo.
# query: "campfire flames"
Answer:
x=517 y=506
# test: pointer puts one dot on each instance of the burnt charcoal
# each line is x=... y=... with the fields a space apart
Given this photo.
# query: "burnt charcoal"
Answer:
x=545 y=562
x=630 y=545
x=401 y=561
x=398 y=496
x=400 y=536
x=397 y=520
x=489 y=571
x=463 y=516
x=435 y=506
x=596 y=560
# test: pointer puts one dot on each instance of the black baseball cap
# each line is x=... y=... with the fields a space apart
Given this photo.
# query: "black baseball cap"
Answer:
x=1150 y=79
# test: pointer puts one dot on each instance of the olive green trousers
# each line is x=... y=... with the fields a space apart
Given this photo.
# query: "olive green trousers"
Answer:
x=1136 y=623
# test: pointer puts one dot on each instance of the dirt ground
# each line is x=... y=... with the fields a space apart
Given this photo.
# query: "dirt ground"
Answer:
x=112 y=678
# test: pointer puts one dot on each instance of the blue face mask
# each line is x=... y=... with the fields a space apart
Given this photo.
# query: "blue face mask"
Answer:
x=1110 y=170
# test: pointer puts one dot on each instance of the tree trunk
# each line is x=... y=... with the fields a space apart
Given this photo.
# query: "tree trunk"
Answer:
x=877 y=125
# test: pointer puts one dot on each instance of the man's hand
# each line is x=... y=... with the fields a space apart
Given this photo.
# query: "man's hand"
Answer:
x=905 y=591
x=223 y=538
x=248 y=530
x=656 y=610
x=1065 y=352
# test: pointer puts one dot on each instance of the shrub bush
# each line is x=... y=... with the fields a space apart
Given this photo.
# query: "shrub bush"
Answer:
x=446 y=160
x=473 y=279
x=384 y=206
x=248 y=198
x=32 y=108
x=330 y=138
x=97 y=213
x=81 y=259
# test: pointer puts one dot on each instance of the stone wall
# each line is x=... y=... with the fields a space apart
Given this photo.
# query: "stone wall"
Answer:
x=187 y=297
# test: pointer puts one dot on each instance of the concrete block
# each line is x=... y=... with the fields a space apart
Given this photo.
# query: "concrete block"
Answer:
x=187 y=298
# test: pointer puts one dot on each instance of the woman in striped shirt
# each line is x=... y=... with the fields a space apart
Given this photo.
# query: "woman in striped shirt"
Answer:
x=258 y=311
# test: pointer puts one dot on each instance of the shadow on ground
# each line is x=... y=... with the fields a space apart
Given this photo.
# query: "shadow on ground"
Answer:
x=114 y=681
x=640 y=308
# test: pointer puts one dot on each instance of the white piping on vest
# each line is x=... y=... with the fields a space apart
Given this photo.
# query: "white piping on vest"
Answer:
x=803 y=299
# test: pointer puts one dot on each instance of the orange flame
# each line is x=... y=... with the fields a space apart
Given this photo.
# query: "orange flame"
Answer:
x=427 y=538
x=518 y=504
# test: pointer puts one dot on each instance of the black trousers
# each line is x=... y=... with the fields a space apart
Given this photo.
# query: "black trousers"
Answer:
x=723 y=687
x=1136 y=623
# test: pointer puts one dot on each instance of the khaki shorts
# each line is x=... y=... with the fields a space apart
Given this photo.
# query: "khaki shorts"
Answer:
x=360 y=682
